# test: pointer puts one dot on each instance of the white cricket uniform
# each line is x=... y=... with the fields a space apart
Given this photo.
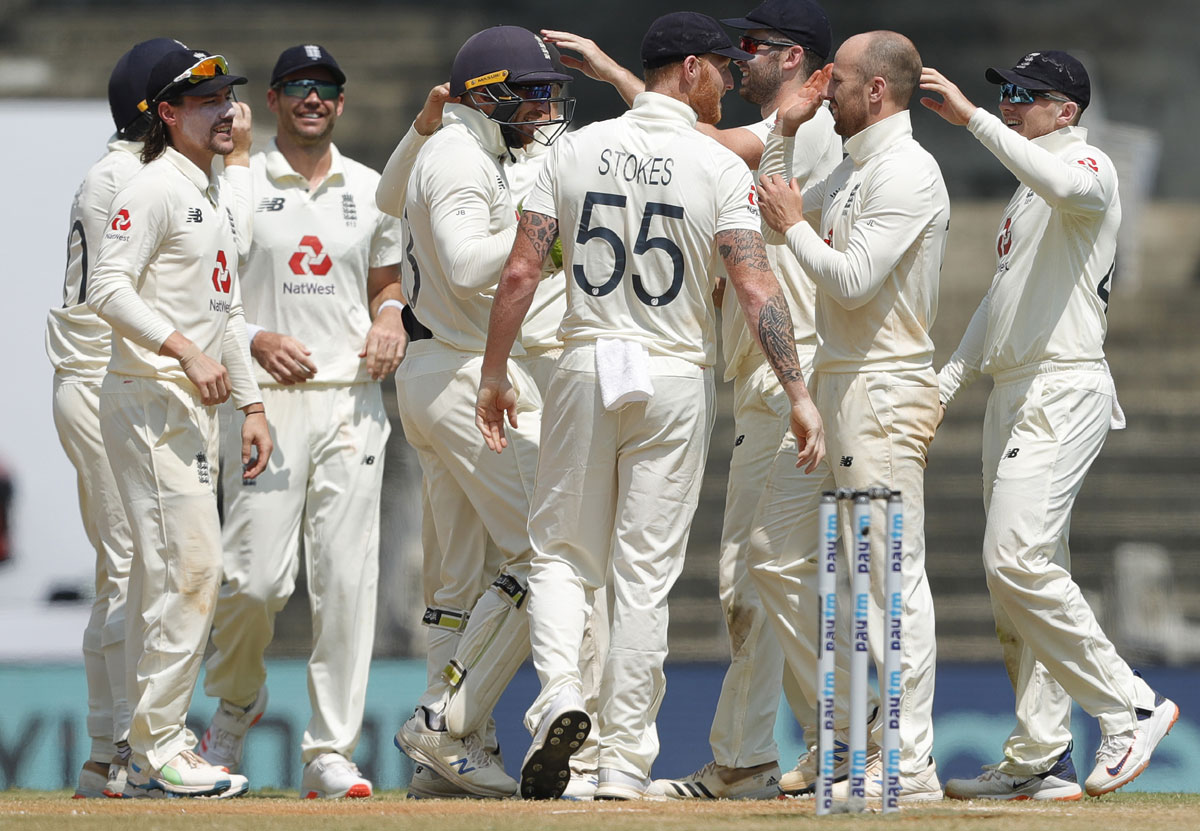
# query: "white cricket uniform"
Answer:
x=1039 y=333
x=167 y=262
x=639 y=200
x=882 y=216
x=306 y=276
x=78 y=344
x=743 y=729
x=460 y=222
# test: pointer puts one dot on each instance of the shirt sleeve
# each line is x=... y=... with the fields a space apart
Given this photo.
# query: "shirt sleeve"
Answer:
x=964 y=365
x=541 y=198
x=393 y=182
x=736 y=199
x=460 y=216
x=896 y=206
x=241 y=205
x=235 y=353
x=136 y=226
x=387 y=243
x=1082 y=183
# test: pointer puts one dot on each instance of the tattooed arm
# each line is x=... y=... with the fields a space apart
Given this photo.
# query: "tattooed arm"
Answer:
x=522 y=273
x=770 y=320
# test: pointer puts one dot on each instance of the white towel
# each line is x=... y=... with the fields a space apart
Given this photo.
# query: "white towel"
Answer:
x=623 y=368
x=1116 y=421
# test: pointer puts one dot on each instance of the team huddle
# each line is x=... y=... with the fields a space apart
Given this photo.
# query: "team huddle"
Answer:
x=547 y=302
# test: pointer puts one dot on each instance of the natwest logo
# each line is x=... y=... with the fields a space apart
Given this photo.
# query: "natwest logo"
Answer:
x=1004 y=243
x=305 y=260
x=222 y=279
x=121 y=221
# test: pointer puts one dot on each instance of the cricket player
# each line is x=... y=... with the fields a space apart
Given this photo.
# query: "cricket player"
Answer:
x=78 y=344
x=460 y=220
x=656 y=204
x=1039 y=333
x=874 y=249
x=321 y=291
x=166 y=281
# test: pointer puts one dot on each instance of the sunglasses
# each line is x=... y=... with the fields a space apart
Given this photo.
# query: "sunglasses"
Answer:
x=203 y=70
x=749 y=44
x=534 y=92
x=326 y=90
x=1019 y=95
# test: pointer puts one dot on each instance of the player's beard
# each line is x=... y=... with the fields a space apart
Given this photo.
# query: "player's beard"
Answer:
x=307 y=138
x=760 y=83
x=707 y=99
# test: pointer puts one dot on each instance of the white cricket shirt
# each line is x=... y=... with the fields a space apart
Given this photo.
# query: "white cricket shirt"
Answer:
x=306 y=273
x=168 y=261
x=639 y=200
x=78 y=342
x=1055 y=253
x=881 y=218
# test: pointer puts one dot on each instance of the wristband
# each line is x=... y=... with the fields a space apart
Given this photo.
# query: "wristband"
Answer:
x=253 y=412
x=393 y=304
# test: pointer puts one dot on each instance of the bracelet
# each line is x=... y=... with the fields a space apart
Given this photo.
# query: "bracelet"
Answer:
x=254 y=412
x=394 y=304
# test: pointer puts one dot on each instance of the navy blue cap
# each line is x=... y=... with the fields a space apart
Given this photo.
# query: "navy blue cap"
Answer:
x=162 y=85
x=676 y=35
x=1046 y=71
x=504 y=54
x=304 y=56
x=127 y=85
x=804 y=21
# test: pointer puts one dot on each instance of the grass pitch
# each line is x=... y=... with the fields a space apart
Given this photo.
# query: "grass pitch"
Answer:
x=280 y=811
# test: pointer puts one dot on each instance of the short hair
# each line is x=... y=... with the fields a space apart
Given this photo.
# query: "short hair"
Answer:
x=811 y=62
x=893 y=57
x=657 y=74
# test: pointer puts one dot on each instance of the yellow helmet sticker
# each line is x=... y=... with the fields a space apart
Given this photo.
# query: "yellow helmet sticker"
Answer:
x=490 y=78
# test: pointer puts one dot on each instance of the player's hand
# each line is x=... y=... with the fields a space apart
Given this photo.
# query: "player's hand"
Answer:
x=941 y=415
x=242 y=135
x=287 y=360
x=810 y=434
x=430 y=117
x=209 y=376
x=256 y=435
x=781 y=203
x=801 y=105
x=496 y=397
x=386 y=343
x=954 y=106
x=593 y=61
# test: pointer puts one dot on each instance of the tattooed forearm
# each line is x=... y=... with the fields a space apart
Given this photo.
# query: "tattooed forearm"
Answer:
x=539 y=229
x=777 y=338
x=742 y=247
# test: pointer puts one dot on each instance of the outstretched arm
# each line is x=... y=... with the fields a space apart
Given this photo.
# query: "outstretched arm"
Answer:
x=595 y=63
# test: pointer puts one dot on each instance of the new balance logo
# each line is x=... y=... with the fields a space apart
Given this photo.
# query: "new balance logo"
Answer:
x=1012 y=454
x=463 y=766
x=846 y=461
x=740 y=439
x=275 y=204
x=368 y=460
x=195 y=215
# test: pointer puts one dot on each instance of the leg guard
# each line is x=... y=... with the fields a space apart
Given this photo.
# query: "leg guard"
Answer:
x=444 y=628
x=492 y=648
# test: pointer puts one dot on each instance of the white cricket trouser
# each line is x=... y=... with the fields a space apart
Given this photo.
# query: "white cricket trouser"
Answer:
x=1044 y=427
x=323 y=482
x=77 y=419
x=615 y=496
x=878 y=426
x=743 y=728
x=162 y=445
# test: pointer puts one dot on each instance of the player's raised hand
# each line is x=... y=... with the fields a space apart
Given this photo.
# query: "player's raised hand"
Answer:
x=496 y=397
x=810 y=434
x=801 y=105
x=242 y=135
x=287 y=360
x=430 y=117
x=593 y=61
x=256 y=437
x=954 y=106
x=781 y=203
x=386 y=343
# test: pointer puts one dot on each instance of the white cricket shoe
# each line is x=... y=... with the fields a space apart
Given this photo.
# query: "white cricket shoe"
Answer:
x=333 y=776
x=918 y=787
x=223 y=741
x=118 y=772
x=1123 y=756
x=581 y=787
x=618 y=785
x=715 y=781
x=427 y=783
x=92 y=782
x=1060 y=784
x=802 y=779
x=546 y=770
x=465 y=762
x=189 y=775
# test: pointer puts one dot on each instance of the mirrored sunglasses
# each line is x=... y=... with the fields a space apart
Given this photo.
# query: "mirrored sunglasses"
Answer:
x=203 y=70
x=326 y=90
x=1019 y=95
x=749 y=44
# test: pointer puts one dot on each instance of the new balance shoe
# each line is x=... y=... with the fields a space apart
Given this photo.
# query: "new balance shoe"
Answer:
x=93 y=779
x=333 y=776
x=918 y=787
x=1123 y=756
x=802 y=779
x=427 y=783
x=189 y=775
x=118 y=772
x=225 y=738
x=465 y=762
x=581 y=787
x=618 y=785
x=546 y=770
x=1060 y=784
x=715 y=781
